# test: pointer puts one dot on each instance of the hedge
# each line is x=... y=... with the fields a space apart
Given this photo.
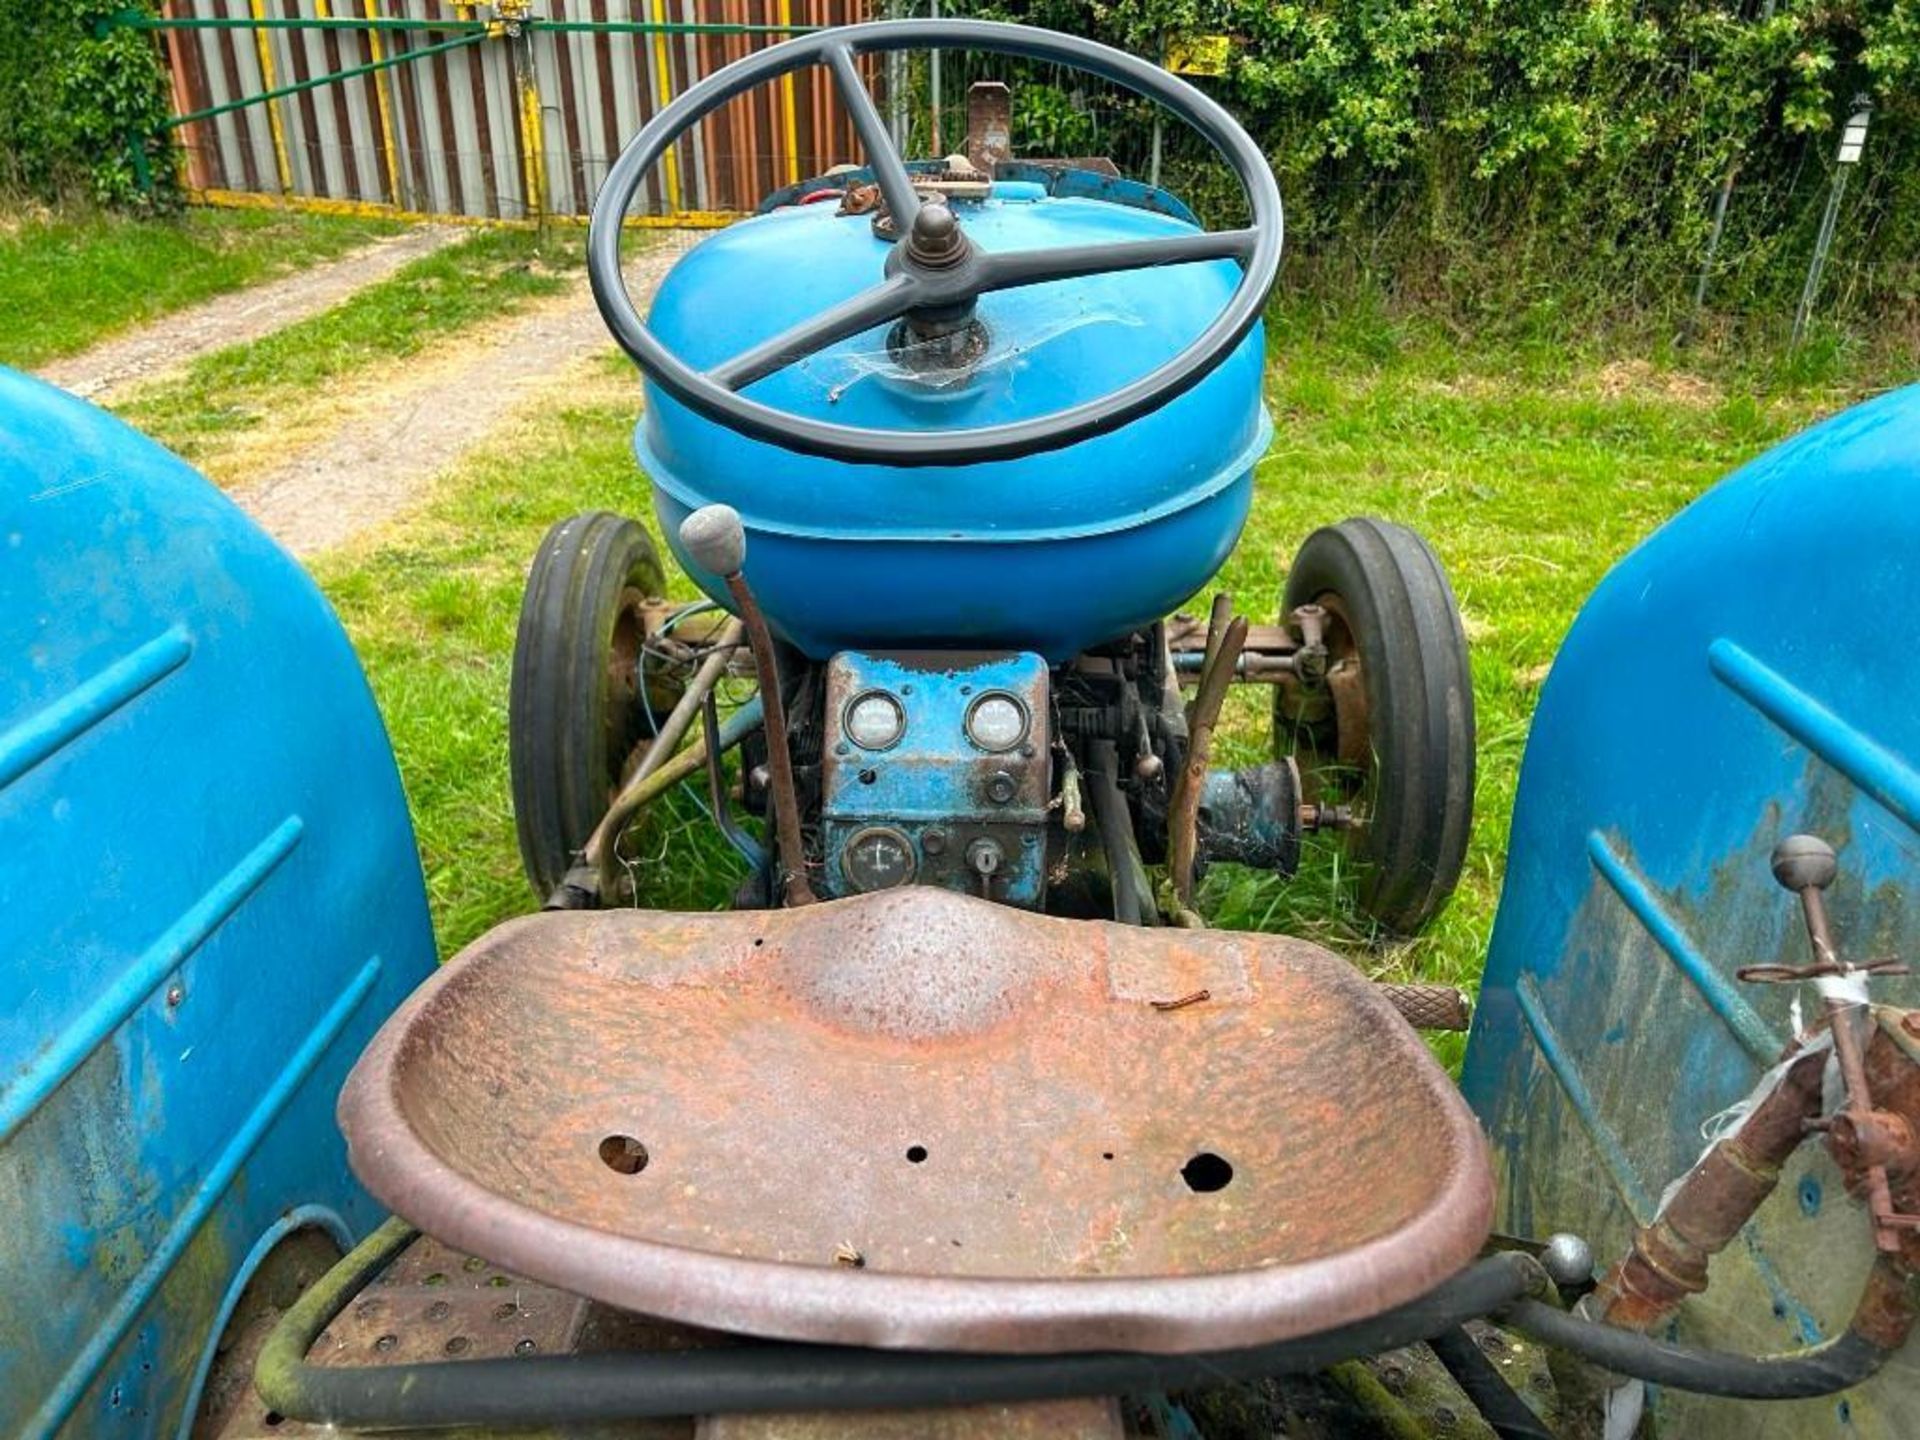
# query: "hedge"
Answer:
x=1478 y=147
x=75 y=105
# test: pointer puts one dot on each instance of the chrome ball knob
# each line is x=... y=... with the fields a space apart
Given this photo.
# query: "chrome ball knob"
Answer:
x=1803 y=862
x=1567 y=1259
x=715 y=539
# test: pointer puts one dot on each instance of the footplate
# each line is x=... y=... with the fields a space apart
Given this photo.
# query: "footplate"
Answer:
x=434 y=1303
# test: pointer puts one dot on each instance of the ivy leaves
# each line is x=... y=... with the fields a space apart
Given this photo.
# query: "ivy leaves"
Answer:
x=73 y=103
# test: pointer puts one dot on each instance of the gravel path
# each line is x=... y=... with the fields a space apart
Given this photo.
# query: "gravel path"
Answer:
x=390 y=440
x=172 y=340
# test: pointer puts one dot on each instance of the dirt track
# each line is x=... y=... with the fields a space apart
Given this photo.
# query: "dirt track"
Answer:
x=361 y=453
x=115 y=365
x=387 y=443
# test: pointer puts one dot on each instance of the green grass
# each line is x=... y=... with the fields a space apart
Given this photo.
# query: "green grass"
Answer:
x=71 y=278
x=243 y=387
x=1530 y=475
x=432 y=607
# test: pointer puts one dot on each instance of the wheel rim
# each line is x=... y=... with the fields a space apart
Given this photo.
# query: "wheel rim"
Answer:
x=1347 y=692
x=626 y=737
x=1332 y=730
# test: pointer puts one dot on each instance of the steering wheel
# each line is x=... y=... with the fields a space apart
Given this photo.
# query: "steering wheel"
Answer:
x=932 y=269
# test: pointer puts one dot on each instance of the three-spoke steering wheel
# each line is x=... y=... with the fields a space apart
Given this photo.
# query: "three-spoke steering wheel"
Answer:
x=932 y=269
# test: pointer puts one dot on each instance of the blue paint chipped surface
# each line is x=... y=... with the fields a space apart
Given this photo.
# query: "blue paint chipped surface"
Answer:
x=932 y=783
x=209 y=897
x=1734 y=680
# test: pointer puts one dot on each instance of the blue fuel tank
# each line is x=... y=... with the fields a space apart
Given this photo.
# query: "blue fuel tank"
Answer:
x=1051 y=553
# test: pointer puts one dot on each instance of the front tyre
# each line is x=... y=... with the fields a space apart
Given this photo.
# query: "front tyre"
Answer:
x=574 y=715
x=1390 y=728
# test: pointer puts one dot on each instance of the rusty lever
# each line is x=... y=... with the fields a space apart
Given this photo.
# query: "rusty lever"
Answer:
x=1806 y=865
x=716 y=540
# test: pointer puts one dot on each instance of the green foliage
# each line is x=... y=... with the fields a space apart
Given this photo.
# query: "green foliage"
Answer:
x=1472 y=147
x=80 y=110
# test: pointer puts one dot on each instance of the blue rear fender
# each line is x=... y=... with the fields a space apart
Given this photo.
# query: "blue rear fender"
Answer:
x=209 y=899
x=1741 y=676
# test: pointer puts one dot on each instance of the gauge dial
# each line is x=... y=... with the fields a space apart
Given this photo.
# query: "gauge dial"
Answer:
x=878 y=858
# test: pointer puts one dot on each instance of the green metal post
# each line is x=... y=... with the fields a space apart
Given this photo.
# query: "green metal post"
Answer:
x=142 y=172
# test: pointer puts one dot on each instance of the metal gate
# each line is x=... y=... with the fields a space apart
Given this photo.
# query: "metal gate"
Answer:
x=509 y=112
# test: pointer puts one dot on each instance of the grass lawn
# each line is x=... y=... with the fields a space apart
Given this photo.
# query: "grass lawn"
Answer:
x=432 y=603
x=1530 y=475
x=70 y=278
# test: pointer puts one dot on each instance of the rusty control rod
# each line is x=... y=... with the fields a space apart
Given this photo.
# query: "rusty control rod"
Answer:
x=716 y=540
x=1806 y=865
x=1183 y=820
x=1668 y=1261
x=601 y=853
x=1219 y=615
x=1726 y=1186
x=1669 y=1258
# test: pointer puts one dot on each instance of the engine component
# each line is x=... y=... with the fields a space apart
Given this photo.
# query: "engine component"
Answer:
x=937 y=771
x=1252 y=817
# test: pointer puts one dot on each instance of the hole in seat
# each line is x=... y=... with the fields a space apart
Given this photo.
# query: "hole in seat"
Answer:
x=623 y=1154
x=916 y=1153
x=1206 y=1173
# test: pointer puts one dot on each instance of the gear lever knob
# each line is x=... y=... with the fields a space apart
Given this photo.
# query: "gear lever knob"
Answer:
x=716 y=540
x=1802 y=862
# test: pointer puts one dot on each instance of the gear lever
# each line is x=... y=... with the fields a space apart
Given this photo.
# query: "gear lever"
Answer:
x=716 y=540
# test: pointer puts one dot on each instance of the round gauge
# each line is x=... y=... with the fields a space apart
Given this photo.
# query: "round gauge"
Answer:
x=875 y=721
x=878 y=858
x=997 y=721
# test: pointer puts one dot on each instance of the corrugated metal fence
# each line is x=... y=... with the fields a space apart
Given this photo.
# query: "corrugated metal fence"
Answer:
x=443 y=111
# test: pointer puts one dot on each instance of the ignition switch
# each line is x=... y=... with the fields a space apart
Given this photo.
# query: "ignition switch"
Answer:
x=983 y=858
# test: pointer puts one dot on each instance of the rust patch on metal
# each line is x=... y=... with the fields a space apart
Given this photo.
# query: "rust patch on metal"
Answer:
x=1668 y=1261
x=1885 y=1314
x=433 y=1303
x=950 y=1087
x=1892 y=1075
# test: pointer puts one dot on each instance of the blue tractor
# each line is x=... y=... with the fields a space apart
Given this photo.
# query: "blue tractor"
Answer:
x=960 y=1120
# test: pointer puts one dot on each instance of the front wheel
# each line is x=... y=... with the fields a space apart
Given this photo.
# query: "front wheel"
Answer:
x=574 y=711
x=1389 y=730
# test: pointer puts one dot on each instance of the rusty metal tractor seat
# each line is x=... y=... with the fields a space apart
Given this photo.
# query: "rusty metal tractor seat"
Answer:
x=915 y=1119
